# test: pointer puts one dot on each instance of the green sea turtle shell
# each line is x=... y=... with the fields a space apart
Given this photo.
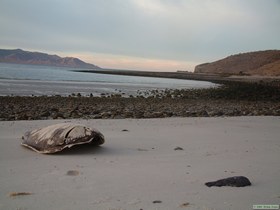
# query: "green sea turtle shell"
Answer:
x=55 y=138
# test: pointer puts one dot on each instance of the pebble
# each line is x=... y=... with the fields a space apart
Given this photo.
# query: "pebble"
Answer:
x=185 y=205
x=157 y=201
x=235 y=181
x=157 y=104
x=178 y=148
x=72 y=173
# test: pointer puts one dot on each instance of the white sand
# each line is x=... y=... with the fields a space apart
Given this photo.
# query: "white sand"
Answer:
x=133 y=169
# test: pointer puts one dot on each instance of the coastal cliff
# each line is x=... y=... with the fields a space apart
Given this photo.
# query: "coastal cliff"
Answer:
x=264 y=63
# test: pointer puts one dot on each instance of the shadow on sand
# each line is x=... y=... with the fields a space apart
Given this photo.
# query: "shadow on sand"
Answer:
x=87 y=149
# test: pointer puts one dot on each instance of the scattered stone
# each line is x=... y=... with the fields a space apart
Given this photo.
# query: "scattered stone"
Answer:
x=235 y=181
x=157 y=201
x=228 y=100
x=184 y=205
x=124 y=130
x=72 y=173
x=45 y=114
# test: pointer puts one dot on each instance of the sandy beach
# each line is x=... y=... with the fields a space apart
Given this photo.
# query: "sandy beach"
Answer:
x=138 y=167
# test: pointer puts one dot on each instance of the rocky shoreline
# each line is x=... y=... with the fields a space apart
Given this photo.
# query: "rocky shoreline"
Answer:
x=235 y=99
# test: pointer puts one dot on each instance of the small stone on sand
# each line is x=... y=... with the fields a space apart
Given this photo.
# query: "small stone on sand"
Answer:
x=185 y=205
x=235 y=181
x=72 y=173
x=178 y=148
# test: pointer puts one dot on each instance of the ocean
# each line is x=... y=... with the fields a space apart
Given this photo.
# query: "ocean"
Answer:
x=24 y=80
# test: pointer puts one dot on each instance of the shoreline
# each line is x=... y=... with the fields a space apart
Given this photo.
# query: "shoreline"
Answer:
x=228 y=100
x=132 y=86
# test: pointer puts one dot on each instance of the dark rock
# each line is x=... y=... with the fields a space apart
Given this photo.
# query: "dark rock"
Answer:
x=236 y=181
x=128 y=114
x=72 y=173
x=219 y=113
x=53 y=109
x=22 y=117
x=153 y=115
x=118 y=117
x=157 y=201
x=168 y=114
x=74 y=114
x=203 y=114
x=60 y=115
x=138 y=114
x=54 y=115
x=105 y=115
x=97 y=116
x=185 y=205
x=66 y=115
x=178 y=148
x=45 y=114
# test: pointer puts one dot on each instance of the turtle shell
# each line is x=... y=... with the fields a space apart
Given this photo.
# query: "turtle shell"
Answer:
x=55 y=138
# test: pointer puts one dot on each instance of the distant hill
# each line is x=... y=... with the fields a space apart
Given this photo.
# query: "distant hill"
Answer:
x=19 y=56
x=265 y=63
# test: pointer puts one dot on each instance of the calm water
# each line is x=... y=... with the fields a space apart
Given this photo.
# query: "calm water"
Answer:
x=45 y=80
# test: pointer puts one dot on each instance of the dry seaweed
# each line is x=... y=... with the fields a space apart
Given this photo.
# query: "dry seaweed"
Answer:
x=15 y=194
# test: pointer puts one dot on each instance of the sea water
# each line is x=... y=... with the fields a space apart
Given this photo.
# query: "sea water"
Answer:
x=18 y=79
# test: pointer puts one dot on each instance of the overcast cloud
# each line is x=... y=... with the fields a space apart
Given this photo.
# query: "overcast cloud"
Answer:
x=141 y=34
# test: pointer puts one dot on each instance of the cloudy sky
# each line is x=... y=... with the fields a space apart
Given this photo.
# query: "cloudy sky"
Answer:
x=141 y=34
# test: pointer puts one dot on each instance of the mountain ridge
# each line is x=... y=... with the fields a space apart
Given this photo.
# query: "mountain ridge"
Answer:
x=264 y=63
x=19 y=56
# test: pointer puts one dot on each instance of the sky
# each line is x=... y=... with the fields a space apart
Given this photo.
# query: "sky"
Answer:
x=161 y=35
